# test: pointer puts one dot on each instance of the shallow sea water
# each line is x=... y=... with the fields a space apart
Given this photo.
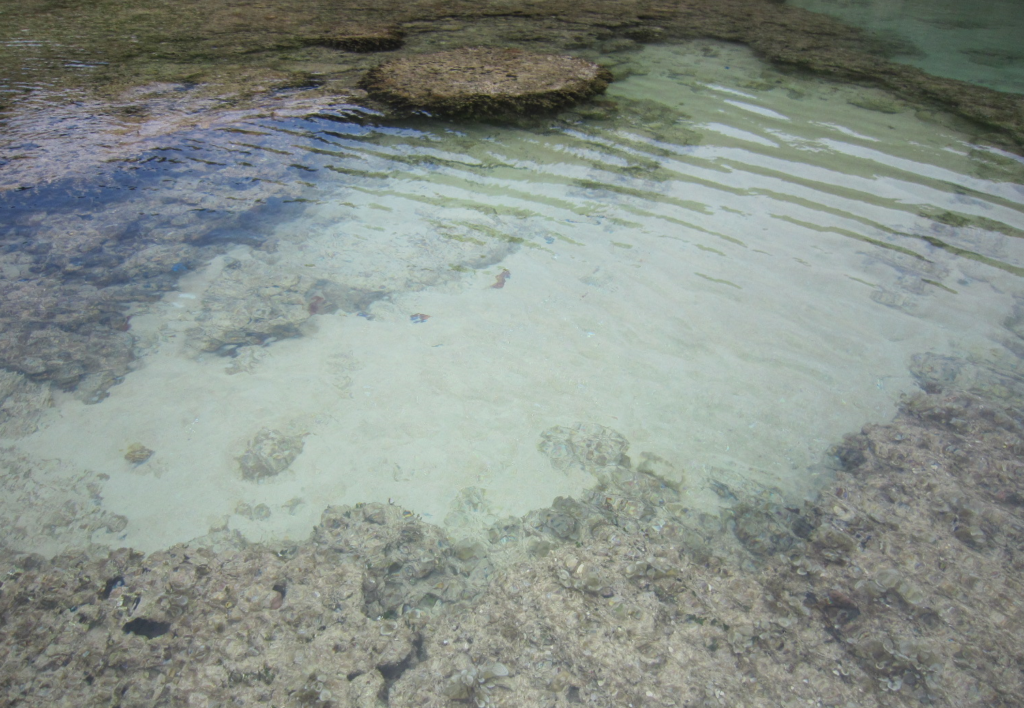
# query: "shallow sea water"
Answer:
x=730 y=266
x=978 y=42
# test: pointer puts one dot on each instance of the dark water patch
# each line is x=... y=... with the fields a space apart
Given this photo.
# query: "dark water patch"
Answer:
x=110 y=586
x=77 y=254
x=150 y=629
x=252 y=226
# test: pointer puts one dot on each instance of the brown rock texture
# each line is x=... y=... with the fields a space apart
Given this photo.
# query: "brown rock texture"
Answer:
x=485 y=82
x=358 y=38
x=898 y=586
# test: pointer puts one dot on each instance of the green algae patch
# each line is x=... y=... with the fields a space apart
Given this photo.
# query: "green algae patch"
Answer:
x=718 y=280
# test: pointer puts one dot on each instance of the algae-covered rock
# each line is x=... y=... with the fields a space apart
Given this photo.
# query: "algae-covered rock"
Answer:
x=363 y=38
x=269 y=454
x=486 y=82
x=137 y=453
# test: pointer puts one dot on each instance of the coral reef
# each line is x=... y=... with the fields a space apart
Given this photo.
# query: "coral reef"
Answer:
x=897 y=586
x=293 y=46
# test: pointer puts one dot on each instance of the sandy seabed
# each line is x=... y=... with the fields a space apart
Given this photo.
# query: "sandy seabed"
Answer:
x=682 y=281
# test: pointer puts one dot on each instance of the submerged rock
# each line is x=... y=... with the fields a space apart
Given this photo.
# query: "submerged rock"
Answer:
x=137 y=453
x=486 y=82
x=256 y=302
x=22 y=403
x=269 y=454
x=936 y=373
x=586 y=446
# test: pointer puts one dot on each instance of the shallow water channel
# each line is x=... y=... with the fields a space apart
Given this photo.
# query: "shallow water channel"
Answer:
x=728 y=265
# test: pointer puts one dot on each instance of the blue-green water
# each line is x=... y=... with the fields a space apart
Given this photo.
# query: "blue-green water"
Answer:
x=975 y=42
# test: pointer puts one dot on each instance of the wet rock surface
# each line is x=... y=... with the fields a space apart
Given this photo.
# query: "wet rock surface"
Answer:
x=486 y=82
x=897 y=586
x=358 y=38
x=295 y=46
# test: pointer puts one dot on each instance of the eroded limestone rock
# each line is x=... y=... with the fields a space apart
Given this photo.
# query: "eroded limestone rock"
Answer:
x=486 y=82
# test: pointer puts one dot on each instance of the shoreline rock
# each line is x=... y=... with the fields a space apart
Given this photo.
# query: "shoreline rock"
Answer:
x=868 y=595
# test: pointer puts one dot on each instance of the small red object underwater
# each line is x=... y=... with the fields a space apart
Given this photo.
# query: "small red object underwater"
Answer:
x=502 y=277
x=316 y=304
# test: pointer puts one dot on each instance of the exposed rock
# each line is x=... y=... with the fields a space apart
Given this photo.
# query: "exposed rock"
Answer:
x=197 y=49
x=359 y=38
x=486 y=82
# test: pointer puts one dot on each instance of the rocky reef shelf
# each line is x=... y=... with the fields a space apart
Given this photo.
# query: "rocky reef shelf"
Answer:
x=898 y=585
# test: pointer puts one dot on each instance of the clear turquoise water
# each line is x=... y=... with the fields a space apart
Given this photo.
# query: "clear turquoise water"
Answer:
x=730 y=266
